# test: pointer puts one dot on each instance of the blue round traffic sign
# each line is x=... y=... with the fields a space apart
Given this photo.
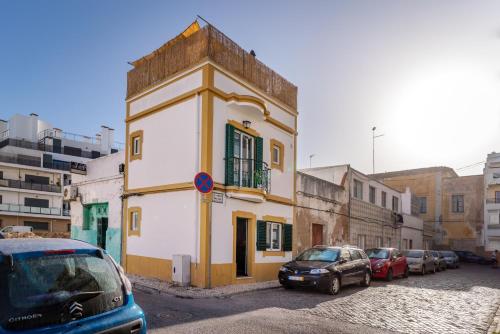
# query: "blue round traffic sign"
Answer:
x=203 y=182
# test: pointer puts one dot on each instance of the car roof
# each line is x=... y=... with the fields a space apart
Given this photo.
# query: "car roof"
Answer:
x=20 y=245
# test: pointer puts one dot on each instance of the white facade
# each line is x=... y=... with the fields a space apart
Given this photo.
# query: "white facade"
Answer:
x=491 y=229
x=177 y=142
x=412 y=231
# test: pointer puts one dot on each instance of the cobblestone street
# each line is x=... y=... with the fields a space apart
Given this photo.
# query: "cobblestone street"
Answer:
x=455 y=301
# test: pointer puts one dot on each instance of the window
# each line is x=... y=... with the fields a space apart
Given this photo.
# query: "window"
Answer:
x=358 y=189
x=372 y=195
x=388 y=242
x=136 y=140
x=405 y=243
x=277 y=154
x=355 y=254
x=0 y=199
x=422 y=204
x=345 y=255
x=37 y=226
x=1 y=175
x=134 y=221
x=378 y=242
x=36 y=179
x=395 y=203
x=36 y=202
x=497 y=196
x=362 y=241
x=384 y=199
x=274 y=232
x=457 y=203
x=410 y=244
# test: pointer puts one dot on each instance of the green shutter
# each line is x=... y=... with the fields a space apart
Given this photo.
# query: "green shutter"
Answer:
x=287 y=237
x=229 y=175
x=259 y=153
x=261 y=235
x=86 y=218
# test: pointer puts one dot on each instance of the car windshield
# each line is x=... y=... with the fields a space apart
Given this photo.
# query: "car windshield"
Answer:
x=48 y=282
x=319 y=254
x=377 y=253
x=448 y=254
x=414 y=254
x=435 y=254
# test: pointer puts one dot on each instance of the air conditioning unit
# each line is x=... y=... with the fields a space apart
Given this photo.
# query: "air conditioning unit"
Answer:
x=181 y=270
x=70 y=192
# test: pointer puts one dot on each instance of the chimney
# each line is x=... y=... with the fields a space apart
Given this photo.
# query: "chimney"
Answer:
x=107 y=139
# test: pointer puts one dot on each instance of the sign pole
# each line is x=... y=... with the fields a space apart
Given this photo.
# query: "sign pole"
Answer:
x=209 y=241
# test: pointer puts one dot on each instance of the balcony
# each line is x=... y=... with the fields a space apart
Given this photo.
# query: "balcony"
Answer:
x=22 y=209
x=30 y=186
x=250 y=173
x=493 y=203
x=493 y=230
x=20 y=159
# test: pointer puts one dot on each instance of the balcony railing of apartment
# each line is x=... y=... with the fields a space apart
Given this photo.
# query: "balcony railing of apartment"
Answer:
x=31 y=210
x=58 y=134
x=29 y=185
x=250 y=173
x=493 y=200
x=46 y=148
x=20 y=159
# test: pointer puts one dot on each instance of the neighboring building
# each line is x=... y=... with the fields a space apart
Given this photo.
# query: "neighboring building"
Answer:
x=491 y=228
x=412 y=230
x=426 y=184
x=321 y=215
x=36 y=160
x=96 y=203
x=201 y=103
x=463 y=212
x=373 y=208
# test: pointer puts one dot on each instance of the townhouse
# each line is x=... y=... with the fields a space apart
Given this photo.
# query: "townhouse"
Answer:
x=491 y=190
x=36 y=162
x=374 y=215
x=200 y=103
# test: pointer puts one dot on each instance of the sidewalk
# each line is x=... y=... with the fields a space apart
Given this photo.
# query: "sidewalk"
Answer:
x=158 y=286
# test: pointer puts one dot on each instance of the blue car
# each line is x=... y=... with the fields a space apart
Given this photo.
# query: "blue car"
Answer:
x=64 y=286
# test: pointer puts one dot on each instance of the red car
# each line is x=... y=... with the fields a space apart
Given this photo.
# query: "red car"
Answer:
x=387 y=263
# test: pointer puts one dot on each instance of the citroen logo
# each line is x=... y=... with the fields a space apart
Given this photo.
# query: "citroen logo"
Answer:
x=75 y=310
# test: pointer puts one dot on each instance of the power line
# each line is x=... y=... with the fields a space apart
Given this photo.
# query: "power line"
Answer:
x=470 y=166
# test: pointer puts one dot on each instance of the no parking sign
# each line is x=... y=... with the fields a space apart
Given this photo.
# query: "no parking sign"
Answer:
x=204 y=183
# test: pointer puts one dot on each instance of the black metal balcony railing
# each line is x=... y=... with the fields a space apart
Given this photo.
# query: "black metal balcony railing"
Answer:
x=251 y=173
x=32 y=210
x=30 y=186
x=20 y=159
x=493 y=200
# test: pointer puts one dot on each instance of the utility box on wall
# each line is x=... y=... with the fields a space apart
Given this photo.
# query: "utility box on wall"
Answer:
x=181 y=269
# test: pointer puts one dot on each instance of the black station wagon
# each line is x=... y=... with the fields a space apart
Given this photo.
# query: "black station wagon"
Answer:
x=327 y=268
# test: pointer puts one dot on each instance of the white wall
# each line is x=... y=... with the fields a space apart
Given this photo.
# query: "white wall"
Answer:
x=412 y=229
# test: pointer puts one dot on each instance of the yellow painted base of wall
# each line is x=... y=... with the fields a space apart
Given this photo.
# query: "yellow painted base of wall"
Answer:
x=221 y=273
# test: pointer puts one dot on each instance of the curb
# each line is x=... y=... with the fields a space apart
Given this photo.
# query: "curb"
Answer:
x=195 y=295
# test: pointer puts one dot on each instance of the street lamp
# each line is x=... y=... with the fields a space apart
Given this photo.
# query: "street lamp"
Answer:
x=310 y=159
x=373 y=147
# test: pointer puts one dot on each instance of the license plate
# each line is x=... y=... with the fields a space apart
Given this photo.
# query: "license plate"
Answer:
x=295 y=278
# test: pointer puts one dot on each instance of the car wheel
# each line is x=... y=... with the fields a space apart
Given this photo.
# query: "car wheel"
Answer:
x=334 y=287
x=407 y=272
x=388 y=277
x=367 y=279
x=423 y=272
x=287 y=286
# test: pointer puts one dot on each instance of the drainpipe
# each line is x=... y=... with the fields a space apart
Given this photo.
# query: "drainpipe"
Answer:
x=349 y=172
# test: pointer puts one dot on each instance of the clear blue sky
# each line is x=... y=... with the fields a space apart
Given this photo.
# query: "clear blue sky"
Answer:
x=426 y=73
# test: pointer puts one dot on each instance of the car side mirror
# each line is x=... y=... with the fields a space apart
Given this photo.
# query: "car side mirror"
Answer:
x=342 y=261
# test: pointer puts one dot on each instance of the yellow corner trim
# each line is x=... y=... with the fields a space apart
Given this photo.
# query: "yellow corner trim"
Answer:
x=132 y=210
x=139 y=134
x=274 y=219
x=240 y=127
x=273 y=253
x=280 y=125
x=162 y=188
x=281 y=147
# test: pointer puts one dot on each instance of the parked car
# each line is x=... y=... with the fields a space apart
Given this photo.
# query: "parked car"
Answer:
x=451 y=259
x=439 y=260
x=470 y=257
x=420 y=261
x=327 y=268
x=16 y=229
x=62 y=286
x=1 y=236
x=387 y=263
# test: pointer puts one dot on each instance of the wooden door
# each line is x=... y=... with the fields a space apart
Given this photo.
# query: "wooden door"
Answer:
x=317 y=234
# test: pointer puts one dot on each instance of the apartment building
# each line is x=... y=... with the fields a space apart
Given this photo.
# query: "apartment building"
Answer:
x=426 y=184
x=374 y=209
x=97 y=203
x=36 y=161
x=491 y=190
x=200 y=103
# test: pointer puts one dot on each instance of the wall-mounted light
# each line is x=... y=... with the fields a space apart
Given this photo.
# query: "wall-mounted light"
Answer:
x=247 y=124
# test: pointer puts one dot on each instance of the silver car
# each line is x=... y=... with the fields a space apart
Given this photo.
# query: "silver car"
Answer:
x=420 y=261
x=451 y=259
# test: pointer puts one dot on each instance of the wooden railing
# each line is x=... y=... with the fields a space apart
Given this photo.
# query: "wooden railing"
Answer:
x=210 y=43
